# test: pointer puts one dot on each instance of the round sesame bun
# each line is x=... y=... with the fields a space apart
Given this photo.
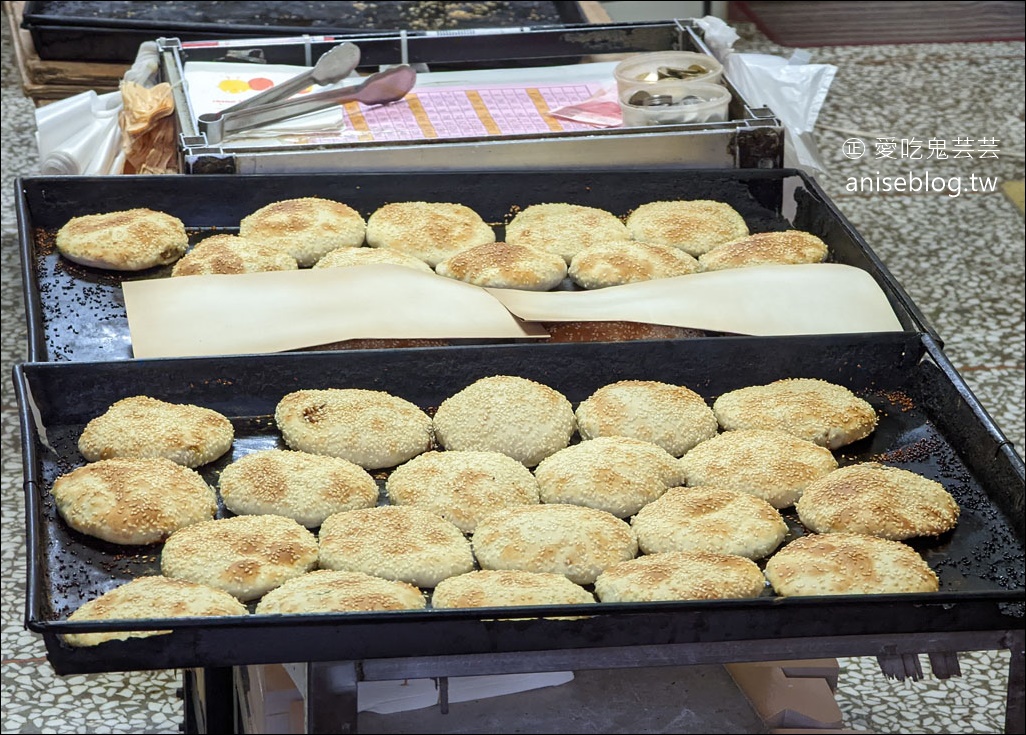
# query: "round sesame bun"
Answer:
x=245 y=556
x=672 y=416
x=304 y=487
x=229 y=254
x=132 y=240
x=508 y=588
x=133 y=501
x=371 y=428
x=327 y=591
x=829 y=415
x=709 y=519
x=848 y=564
x=504 y=265
x=462 y=487
x=307 y=228
x=772 y=465
x=616 y=474
x=873 y=499
x=695 y=226
x=681 y=575
x=571 y=540
x=518 y=417
x=395 y=542
x=141 y=426
x=564 y=229
x=348 y=257
x=150 y=597
x=628 y=261
x=766 y=248
x=615 y=331
x=429 y=231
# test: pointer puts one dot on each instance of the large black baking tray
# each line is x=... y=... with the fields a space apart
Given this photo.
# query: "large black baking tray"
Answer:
x=113 y=31
x=77 y=313
x=930 y=423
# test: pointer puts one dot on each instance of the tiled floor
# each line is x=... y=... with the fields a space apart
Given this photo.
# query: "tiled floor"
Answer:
x=961 y=258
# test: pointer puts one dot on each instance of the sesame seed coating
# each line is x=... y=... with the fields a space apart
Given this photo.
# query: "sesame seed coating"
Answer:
x=130 y=240
x=429 y=231
x=766 y=248
x=616 y=262
x=151 y=597
x=245 y=556
x=772 y=465
x=848 y=564
x=348 y=257
x=305 y=487
x=518 y=417
x=306 y=228
x=504 y=265
x=325 y=591
x=681 y=575
x=508 y=588
x=230 y=254
x=617 y=474
x=141 y=426
x=564 y=229
x=695 y=226
x=403 y=543
x=874 y=499
x=133 y=501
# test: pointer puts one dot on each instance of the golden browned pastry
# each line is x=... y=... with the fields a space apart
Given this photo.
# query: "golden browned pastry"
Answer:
x=307 y=228
x=848 y=564
x=327 y=590
x=766 y=248
x=564 y=229
x=681 y=575
x=130 y=240
x=504 y=265
x=618 y=262
x=230 y=254
x=877 y=500
x=429 y=231
x=695 y=226
x=508 y=588
x=348 y=257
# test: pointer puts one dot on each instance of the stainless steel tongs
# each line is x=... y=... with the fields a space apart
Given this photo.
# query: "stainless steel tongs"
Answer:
x=273 y=105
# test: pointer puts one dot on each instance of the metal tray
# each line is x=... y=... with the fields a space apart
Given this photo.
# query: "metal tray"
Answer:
x=77 y=313
x=929 y=423
x=751 y=137
x=112 y=31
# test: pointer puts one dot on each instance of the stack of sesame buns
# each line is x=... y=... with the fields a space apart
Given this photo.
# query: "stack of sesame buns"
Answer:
x=307 y=228
x=505 y=265
x=230 y=254
x=130 y=240
x=142 y=426
x=429 y=231
x=370 y=428
x=564 y=229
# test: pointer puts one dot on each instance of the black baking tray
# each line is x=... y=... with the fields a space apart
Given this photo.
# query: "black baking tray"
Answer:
x=113 y=31
x=76 y=313
x=930 y=423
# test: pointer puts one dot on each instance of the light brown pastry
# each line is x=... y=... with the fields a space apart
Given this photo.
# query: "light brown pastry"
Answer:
x=348 y=257
x=508 y=588
x=617 y=262
x=672 y=416
x=617 y=474
x=141 y=426
x=769 y=464
x=695 y=226
x=150 y=597
x=246 y=556
x=825 y=413
x=848 y=564
x=130 y=240
x=681 y=575
x=429 y=231
x=874 y=499
x=789 y=247
x=564 y=229
x=327 y=591
x=230 y=254
x=709 y=519
x=306 y=228
x=298 y=485
x=133 y=501
x=571 y=540
x=403 y=543
x=504 y=265
x=370 y=428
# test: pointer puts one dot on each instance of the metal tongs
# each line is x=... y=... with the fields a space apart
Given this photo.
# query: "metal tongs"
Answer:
x=273 y=105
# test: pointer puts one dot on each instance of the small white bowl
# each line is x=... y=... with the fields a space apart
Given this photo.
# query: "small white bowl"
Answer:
x=712 y=108
x=642 y=70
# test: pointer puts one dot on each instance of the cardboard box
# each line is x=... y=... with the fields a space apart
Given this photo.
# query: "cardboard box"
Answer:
x=788 y=694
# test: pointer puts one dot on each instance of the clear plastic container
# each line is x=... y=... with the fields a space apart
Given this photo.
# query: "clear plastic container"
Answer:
x=643 y=70
x=679 y=103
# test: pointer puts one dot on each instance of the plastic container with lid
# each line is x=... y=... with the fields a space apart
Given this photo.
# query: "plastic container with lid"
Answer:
x=644 y=70
x=673 y=102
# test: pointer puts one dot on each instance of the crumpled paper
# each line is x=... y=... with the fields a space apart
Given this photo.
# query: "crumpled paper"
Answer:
x=148 y=134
